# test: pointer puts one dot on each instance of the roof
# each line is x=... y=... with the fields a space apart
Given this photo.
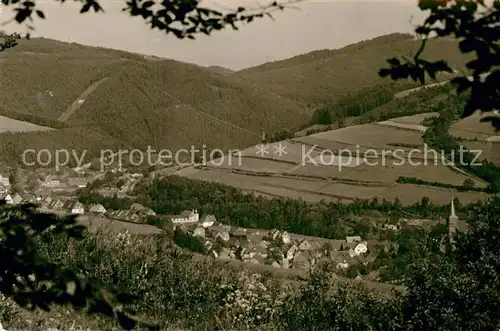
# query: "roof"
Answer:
x=337 y=244
x=208 y=218
x=186 y=213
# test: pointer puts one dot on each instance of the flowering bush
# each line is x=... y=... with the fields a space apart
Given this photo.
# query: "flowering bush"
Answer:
x=249 y=302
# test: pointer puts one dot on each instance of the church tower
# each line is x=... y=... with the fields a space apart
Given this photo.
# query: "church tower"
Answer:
x=452 y=223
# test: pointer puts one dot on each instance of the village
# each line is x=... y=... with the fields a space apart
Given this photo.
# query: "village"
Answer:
x=58 y=193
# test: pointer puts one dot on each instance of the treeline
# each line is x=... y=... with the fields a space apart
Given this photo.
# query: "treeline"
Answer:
x=437 y=137
x=467 y=186
x=230 y=205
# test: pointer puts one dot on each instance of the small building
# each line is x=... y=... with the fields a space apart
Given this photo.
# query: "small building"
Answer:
x=305 y=245
x=4 y=180
x=187 y=216
x=352 y=239
x=239 y=233
x=361 y=248
x=56 y=204
x=199 y=232
x=136 y=207
x=290 y=253
x=13 y=200
x=97 y=209
x=223 y=235
x=77 y=182
x=286 y=238
x=77 y=208
x=208 y=221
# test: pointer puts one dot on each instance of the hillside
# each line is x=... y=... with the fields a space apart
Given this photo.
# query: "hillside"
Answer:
x=360 y=162
x=133 y=101
x=323 y=76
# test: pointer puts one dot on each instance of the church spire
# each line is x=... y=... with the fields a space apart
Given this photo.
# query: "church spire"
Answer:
x=452 y=213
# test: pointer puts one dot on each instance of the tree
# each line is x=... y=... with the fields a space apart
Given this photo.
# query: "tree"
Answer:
x=475 y=24
x=460 y=292
x=34 y=282
x=468 y=183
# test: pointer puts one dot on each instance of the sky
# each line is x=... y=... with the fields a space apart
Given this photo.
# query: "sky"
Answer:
x=307 y=26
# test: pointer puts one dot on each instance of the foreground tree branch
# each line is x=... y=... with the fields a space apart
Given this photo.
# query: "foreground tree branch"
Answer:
x=183 y=18
x=475 y=23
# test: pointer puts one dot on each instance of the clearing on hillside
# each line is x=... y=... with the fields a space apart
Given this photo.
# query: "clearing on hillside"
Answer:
x=12 y=125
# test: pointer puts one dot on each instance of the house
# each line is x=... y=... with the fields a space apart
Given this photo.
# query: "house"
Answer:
x=223 y=235
x=302 y=261
x=338 y=245
x=13 y=200
x=305 y=245
x=285 y=263
x=136 y=207
x=286 y=238
x=239 y=233
x=4 y=180
x=199 y=232
x=97 y=209
x=291 y=252
x=361 y=248
x=258 y=250
x=148 y=212
x=340 y=259
x=274 y=234
x=275 y=264
x=56 y=205
x=187 y=216
x=352 y=239
x=257 y=259
x=77 y=208
x=8 y=199
x=77 y=182
x=28 y=197
x=208 y=221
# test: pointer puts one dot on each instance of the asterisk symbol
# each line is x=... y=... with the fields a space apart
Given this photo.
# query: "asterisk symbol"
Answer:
x=262 y=150
x=280 y=150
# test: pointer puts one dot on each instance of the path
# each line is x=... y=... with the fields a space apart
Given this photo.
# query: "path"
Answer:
x=79 y=101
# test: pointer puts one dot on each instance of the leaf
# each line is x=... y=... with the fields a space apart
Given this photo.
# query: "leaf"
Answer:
x=85 y=8
x=40 y=14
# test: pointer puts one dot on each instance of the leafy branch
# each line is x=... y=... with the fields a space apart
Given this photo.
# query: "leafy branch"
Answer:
x=476 y=25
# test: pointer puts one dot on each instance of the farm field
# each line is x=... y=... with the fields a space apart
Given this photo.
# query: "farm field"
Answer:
x=489 y=151
x=371 y=136
x=472 y=127
x=404 y=126
x=12 y=125
x=314 y=179
x=414 y=119
x=250 y=164
x=291 y=151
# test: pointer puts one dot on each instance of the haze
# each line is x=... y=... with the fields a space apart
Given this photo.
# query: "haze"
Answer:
x=309 y=26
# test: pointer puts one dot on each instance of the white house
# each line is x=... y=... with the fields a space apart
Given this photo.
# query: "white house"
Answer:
x=4 y=180
x=187 y=216
x=361 y=248
x=291 y=252
x=286 y=238
x=9 y=200
x=77 y=208
x=13 y=200
x=208 y=221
